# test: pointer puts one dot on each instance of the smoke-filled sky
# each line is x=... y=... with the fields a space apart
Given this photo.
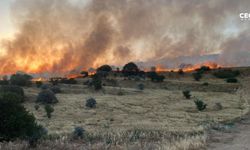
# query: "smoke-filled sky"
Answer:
x=61 y=35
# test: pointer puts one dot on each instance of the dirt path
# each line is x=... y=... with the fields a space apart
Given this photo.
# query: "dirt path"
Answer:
x=237 y=137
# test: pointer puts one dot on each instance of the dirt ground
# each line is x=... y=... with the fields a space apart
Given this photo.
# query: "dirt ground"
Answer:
x=234 y=138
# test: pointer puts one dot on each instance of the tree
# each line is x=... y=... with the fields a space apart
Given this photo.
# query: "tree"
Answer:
x=16 y=122
x=130 y=69
x=104 y=68
x=97 y=82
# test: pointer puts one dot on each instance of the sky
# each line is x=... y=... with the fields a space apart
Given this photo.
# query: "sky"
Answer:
x=6 y=26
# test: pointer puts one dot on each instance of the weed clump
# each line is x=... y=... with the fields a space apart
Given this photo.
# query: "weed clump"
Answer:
x=187 y=94
x=200 y=105
x=49 y=110
x=91 y=103
x=141 y=86
x=78 y=132
x=197 y=76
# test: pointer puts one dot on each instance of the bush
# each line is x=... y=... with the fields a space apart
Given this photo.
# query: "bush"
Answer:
x=232 y=80
x=97 y=82
x=49 y=110
x=44 y=87
x=205 y=84
x=197 y=76
x=47 y=97
x=180 y=72
x=20 y=79
x=187 y=94
x=68 y=81
x=4 y=82
x=226 y=73
x=200 y=105
x=41 y=132
x=39 y=84
x=56 y=89
x=16 y=122
x=13 y=89
x=78 y=132
x=141 y=86
x=36 y=107
x=155 y=77
x=203 y=69
x=91 y=103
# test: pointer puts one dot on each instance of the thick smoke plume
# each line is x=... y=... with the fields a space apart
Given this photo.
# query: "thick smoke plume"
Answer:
x=62 y=35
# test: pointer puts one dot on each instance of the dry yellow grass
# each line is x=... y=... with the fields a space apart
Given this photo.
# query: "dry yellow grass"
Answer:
x=158 y=117
x=151 y=109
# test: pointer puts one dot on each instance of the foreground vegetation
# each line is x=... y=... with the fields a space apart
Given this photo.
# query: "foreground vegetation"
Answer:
x=127 y=112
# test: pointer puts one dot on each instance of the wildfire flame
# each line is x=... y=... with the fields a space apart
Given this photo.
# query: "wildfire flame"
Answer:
x=190 y=68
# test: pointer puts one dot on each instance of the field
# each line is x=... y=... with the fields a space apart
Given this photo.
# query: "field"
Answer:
x=126 y=117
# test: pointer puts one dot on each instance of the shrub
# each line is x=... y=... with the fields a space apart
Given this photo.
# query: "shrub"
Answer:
x=68 y=81
x=54 y=81
x=203 y=69
x=205 y=84
x=44 y=87
x=13 y=89
x=56 y=89
x=200 y=105
x=37 y=135
x=187 y=94
x=36 y=107
x=232 y=80
x=39 y=84
x=197 y=76
x=20 y=79
x=91 y=103
x=140 y=86
x=47 y=97
x=16 y=122
x=49 y=110
x=97 y=82
x=226 y=73
x=4 y=82
x=180 y=72
x=78 y=132
x=155 y=77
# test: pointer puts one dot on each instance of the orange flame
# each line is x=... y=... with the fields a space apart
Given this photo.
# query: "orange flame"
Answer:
x=211 y=65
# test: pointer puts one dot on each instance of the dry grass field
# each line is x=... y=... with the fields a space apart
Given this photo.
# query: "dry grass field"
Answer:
x=158 y=117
